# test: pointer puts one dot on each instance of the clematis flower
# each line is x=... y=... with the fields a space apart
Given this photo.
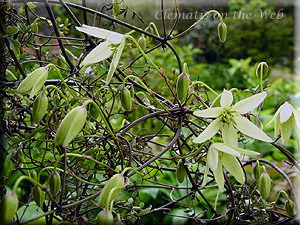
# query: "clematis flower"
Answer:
x=229 y=117
x=286 y=117
x=113 y=45
x=219 y=155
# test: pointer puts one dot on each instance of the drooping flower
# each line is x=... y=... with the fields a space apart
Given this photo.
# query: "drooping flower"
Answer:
x=230 y=117
x=286 y=117
x=113 y=45
x=221 y=154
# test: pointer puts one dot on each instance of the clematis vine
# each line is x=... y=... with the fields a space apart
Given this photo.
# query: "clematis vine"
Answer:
x=113 y=45
x=286 y=117
x=219 y=155
x=230 y=117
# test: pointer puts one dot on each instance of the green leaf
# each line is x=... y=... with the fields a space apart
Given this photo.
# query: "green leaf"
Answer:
x=14 y=46
x=11 y=30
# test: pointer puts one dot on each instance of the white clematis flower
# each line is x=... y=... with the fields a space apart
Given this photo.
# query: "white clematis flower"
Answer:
x=229 y=117
x=286 y=117
x=113 y=45
x=219 y=155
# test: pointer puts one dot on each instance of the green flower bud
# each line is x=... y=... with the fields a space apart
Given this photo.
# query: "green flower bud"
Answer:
x=33 y=174
x=131 y=89
x=38 y=195
x=33 y=82
x=70 y=126
x=183 y=83
x=8 y=207
x=180 y=172
x=290 y=207
x=105 y=217
x=54 y=183
x=142 y=42
x=264 y=185
x=257 y=171
x=126 y=99
x=222 y=31
x=262 y=70
x=39 y=108
x=116 y=181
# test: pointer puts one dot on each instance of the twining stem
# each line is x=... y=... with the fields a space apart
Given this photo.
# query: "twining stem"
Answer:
x=278 y=195
x=14 y=190
x=195 y=24
x=47 y=168
x=102 y=115
x=143 y=53
x=59 y=91
x=62 y=79
x=154 y=27
x=205 y=85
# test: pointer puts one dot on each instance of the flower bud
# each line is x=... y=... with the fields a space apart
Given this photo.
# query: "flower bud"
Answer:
x=290 y=207
x=183 y=83
x=38 y=195
x=126 y=99
x=70 y=126
x=39 y=108
x=116 y=181
x=262 y=70
x=264 y=185
x=8 y=207
x=257 y=171
x=105 y=217
x=33 y=82
x=180 y=173
x=117 y=6
x=33 y=174
x=222 y=31
x=142 y=42
x=54 y=183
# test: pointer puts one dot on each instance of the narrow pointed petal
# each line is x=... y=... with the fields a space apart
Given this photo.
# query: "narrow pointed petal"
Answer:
x=216 y=102
x=225 y=148
x=233 y=166
x=296 y=122
x=209 y=113
x=243 y=151
x=219 y=177
x=209 y=132
x=205 y=175
x=95 y=31
x=115 y=62
x=276 y=114
x=286 y=131
x=212 y=158
x=101 y=52
x=115 y=38
x=248 y=104
x=277 y=126
x=226 y=99
x=229 y=134
x=248 y=128
x=286 y=112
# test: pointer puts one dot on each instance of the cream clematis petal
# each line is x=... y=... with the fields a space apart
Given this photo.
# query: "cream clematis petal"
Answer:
x=226 y=149
x=219 y=177
x=243 y=151
x=101 y=52
x=212 y=158
x=286 y=131
x=115 y=62
x=226 y=99
x=209 y=113
x=115 y=38
x=229 y=134
x=286 y=112
x=205 y=175
x=231 y=164
x=96 y=31
x=248 y=128
x=296 y=122
x=277 y=126
x=210 y=131
x=248 y=104
x=276 y=115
